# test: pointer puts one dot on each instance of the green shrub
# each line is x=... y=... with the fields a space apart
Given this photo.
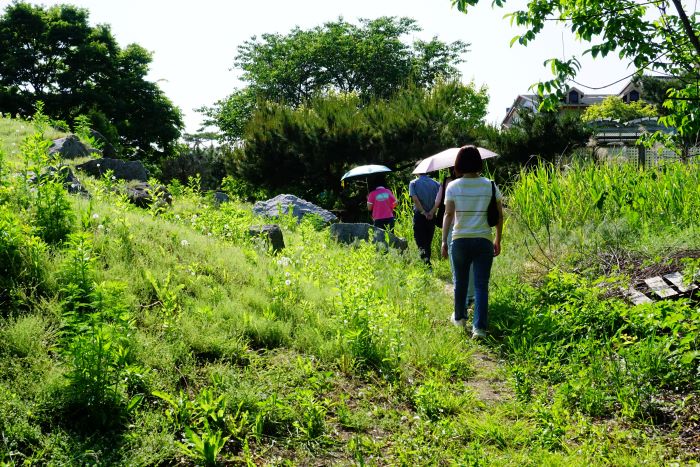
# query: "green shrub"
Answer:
x=306 y=150
x=54 y=214
x=98 y=347
x=23 y=256
x=25 y=336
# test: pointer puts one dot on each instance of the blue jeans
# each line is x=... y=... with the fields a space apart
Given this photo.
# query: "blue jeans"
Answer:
x=470 y=288
x=479 y=253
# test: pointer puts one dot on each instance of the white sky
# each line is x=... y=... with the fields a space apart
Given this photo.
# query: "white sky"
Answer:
x=195 y=42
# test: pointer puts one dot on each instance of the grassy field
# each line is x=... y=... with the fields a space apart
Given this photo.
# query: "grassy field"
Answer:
x=167 y=336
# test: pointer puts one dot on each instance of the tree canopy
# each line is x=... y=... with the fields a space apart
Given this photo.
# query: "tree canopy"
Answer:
x=546 y=135
x=648 y=33
x=53 y=55
x=305 y=150
x=613 y=107
x=370 y=60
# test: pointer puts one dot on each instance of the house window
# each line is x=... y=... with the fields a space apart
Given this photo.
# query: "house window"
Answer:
x=573 y=97
x=634 y=95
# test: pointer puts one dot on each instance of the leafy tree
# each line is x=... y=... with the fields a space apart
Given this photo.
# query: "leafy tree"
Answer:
x=370 y=60
x=305 y=150
x=535 y=136
x=667 y=43
x=53 y=55
x=615 y=108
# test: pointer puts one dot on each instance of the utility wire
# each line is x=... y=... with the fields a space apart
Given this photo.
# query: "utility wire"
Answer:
x=593 y=88
x=651 y=62
x=606 y=86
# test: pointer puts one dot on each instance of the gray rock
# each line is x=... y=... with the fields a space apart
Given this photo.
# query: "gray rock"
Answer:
x=70 y=181
x=271 y=232
x=143 y=195
x=350 y=233
x=123 y=170
x=63 y=174
x=69 y=147
x=220 y=197
x=282 y=204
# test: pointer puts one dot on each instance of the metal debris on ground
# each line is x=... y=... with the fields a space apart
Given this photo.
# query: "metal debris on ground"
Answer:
x=668 y=286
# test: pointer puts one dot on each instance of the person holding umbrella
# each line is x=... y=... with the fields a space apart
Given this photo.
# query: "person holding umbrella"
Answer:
x=381 y=203
x=466 y=205
x=423 y=190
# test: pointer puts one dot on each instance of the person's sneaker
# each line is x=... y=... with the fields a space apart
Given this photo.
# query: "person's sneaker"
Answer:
x=478 y=334
x=458 y=322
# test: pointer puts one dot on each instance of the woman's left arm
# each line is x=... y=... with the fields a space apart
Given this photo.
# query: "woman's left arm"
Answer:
x=499 y=229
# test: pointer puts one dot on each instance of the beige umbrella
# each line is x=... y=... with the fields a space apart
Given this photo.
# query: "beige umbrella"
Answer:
x=445 y=159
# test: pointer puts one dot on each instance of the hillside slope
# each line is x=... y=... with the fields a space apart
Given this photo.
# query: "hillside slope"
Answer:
x=167 y=336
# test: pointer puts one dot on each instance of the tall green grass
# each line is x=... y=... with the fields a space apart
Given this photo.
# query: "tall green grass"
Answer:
x=587 y=193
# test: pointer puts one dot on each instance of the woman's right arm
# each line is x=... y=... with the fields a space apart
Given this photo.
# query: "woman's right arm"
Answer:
x=447 y=225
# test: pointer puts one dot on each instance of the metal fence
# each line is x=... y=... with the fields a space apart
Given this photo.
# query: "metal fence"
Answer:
x=641 y=156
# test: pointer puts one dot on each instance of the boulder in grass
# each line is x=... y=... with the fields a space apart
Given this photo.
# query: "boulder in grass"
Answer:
x=70 y=181
x=350 y=233
x=123 y=170
x=143 y=195
x=69 y=147
x=220 y=197
x=271 y=232
x=285 y=204
x=62 y=174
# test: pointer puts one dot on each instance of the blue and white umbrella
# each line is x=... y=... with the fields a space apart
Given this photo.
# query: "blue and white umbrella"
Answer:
x=365 y=170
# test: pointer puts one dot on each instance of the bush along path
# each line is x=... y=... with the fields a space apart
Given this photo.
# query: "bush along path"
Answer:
x=169 y=336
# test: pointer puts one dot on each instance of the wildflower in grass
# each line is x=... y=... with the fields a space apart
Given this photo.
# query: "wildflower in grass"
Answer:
x=100 y=227
x=95 y=216
x=287 y=282
x=284 y=261
x=177 y=217
x=184 y=243
x=286 y=274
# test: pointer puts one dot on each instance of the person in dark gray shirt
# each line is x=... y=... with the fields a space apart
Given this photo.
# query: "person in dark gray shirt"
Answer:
x=423 y=191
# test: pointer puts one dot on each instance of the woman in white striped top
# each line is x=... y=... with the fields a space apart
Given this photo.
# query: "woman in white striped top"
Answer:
x=466 y=203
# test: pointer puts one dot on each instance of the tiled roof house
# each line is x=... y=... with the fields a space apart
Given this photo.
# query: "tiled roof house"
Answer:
x=576 y=100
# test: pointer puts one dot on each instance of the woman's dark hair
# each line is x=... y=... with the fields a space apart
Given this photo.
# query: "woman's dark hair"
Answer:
x=468 y=160
x=379 y=180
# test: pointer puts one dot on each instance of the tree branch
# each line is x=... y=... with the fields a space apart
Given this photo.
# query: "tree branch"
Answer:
x=687 y=26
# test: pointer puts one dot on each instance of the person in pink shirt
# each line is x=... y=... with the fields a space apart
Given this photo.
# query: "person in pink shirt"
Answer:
x=381 y=202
